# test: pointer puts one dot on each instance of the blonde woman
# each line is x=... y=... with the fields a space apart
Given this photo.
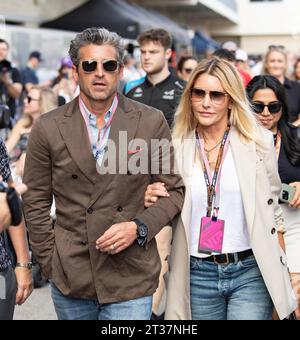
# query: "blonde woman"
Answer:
x=276 y=65
x=37 y=102
x=234 y=268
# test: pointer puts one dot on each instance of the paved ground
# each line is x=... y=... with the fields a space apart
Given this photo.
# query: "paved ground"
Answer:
x=39 y=306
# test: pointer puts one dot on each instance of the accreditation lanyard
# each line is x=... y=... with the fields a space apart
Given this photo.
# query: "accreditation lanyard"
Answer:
x=213 y=182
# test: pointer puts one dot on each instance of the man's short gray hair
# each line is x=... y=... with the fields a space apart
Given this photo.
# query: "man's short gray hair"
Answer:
x=96 y=36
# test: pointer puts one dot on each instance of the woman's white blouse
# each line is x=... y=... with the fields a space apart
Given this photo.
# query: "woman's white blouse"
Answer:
x=236 y=237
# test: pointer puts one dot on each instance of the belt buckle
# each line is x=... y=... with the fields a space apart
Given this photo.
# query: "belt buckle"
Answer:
x=225 y=263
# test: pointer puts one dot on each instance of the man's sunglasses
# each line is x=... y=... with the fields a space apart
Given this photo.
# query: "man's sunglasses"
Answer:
x=272 y=107
x=108 y=65
x=30 y=99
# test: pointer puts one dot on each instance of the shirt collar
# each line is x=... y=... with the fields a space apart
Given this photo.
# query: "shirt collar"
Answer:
x=92 y=119
x=161 y=84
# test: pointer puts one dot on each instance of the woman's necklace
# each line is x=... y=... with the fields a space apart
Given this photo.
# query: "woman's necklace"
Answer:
x=208 y=151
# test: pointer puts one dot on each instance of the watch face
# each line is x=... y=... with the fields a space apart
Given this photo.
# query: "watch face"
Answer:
x=143 y=231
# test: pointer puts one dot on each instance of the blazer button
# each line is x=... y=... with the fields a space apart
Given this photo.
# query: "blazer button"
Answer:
x=120 y=209
x=74 y=176
x=273 y=231
x=90 y=211
x=270 y=201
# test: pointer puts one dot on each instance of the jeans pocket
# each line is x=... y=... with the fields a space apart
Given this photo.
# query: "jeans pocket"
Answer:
x=249 y=262
x=195 y=263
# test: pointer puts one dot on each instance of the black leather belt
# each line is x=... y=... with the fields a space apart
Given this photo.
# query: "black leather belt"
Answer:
x=225 y=259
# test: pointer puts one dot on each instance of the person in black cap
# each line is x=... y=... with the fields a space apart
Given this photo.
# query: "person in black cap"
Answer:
x=29 y=73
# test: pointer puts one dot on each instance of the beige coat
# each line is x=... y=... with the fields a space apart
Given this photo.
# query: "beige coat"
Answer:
x=260 y=186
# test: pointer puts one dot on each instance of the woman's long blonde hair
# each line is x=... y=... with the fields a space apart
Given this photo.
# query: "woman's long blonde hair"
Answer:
x=241 y=116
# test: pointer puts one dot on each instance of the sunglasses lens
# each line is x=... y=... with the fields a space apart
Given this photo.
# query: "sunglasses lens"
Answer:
x=275 y=107
x=89 y=66
x=258 y=108
x=217 y=97
x=110 y=65
x=197 y=94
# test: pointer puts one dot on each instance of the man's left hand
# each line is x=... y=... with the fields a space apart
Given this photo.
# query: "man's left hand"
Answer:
x=24 y=285
x=118 y=238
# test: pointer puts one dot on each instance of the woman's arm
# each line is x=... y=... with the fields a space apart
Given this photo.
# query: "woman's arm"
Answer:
x=15 y=136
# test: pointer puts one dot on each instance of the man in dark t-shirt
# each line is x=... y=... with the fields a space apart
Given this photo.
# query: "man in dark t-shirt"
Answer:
x=160 y=89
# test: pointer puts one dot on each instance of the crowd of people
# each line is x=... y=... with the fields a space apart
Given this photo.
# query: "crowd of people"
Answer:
x=209 y=229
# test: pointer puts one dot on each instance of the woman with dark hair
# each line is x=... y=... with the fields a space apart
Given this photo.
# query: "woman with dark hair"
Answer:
x=268 y=98
x=186 y=66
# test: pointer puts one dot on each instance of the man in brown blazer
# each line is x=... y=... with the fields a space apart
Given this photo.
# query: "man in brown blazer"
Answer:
x=101 y=255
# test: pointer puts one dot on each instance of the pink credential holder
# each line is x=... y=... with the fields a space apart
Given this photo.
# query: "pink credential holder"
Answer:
x=211 y=235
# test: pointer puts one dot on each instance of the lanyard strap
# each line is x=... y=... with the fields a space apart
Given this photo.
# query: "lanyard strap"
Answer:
x=213 y=182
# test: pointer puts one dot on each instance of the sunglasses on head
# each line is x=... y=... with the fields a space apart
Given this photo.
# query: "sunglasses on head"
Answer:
x=216 y=97
x=108 y=65
x=272 y=107
x=30 y=99
x=275 y=47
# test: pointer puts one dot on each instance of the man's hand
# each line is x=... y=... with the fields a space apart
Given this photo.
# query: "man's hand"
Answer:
x=24 y=285
x=118 y=238
x=5 y=218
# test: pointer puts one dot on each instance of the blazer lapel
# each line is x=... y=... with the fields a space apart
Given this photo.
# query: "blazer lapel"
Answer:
x=185 y=159
x=245 y=160
x=74 y=132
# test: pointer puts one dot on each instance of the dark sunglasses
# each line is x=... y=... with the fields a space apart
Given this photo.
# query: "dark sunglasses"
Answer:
x=216 y=97
x=272 y=107
x=188 y=70
x=108 y=65
x=30 y=99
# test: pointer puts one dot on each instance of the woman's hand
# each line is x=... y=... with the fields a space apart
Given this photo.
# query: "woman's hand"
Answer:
x=154 y=192
x=295 y=279
x=296 y=201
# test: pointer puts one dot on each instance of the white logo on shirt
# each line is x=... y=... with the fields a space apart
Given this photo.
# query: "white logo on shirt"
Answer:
x=138 y=93
x=169 y=95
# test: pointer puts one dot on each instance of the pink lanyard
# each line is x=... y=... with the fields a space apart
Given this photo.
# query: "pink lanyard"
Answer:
x=213 y=181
